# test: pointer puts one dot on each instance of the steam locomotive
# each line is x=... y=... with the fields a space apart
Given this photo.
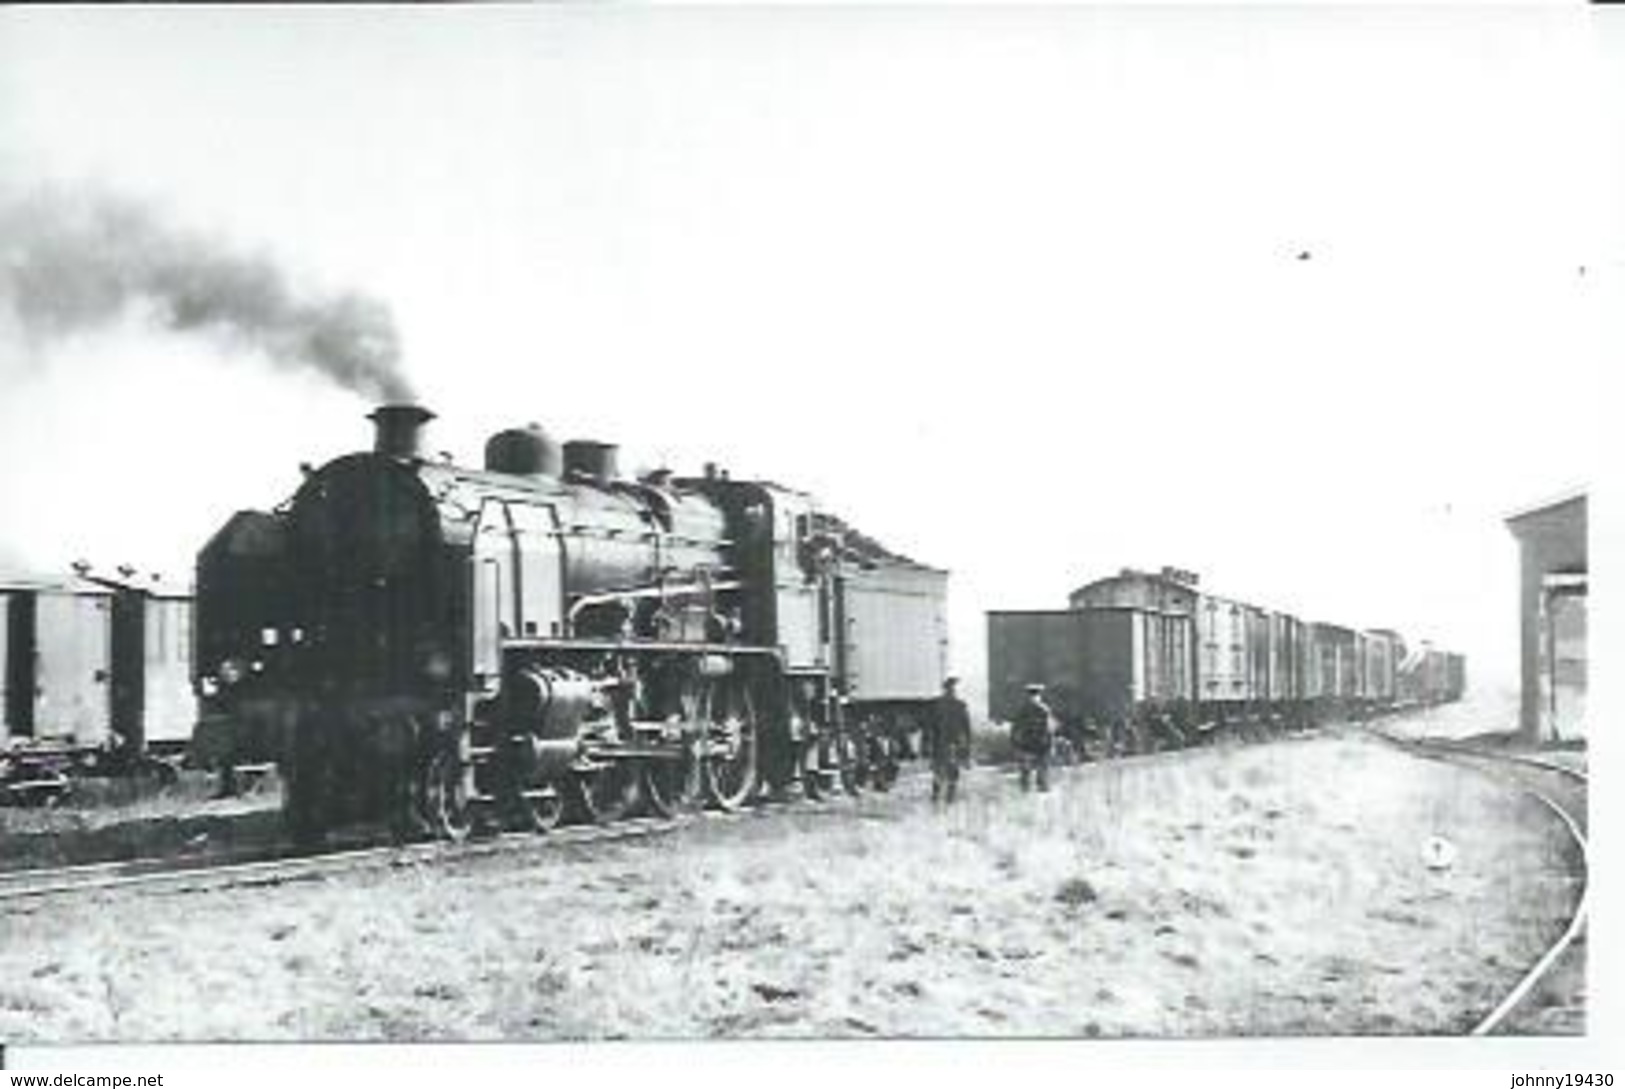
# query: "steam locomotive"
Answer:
x=446 y=648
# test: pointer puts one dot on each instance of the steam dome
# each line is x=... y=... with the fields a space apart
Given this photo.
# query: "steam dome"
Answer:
x=523 y=451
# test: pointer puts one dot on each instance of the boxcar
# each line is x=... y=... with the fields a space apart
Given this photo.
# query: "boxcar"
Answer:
x=1383 y=651
x=1224 y=632
x=1431 y=676
x=58 y=663
x=1333 y=661
x=1257 y=640
x=1287 y=658
x=95 y=673
x=1098 y=665
x=153 y=706
x=1358 y=695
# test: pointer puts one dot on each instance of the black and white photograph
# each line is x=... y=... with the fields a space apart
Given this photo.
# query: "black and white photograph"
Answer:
x=582 y=524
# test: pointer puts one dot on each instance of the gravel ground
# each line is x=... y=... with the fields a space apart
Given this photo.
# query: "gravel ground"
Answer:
x=1268 y=889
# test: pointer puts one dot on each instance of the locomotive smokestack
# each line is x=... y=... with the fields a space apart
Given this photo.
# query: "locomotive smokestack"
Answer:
x=398 y=430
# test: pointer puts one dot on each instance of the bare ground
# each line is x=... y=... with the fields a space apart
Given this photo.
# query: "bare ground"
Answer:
x=1267 y=889
x=108 y=820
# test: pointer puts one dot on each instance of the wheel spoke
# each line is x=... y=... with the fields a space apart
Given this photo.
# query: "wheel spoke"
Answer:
x=675 y=785
x=731 y=760
x=542 y=808
x=607 y=793
x=445 y=795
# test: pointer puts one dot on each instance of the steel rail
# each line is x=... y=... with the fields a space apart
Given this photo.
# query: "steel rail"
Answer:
x=274 y=866
x=273 y=862
x=1434 y=748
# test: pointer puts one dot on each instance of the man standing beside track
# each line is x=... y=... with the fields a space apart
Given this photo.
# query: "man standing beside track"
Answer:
x=950 y=742
x=1030 y=735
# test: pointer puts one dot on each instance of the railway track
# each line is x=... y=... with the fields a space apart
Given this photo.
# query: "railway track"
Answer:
x=274 y=865
x=1564 y=795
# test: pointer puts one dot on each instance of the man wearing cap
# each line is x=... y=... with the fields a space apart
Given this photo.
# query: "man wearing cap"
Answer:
x=1030 y=735
x=950 y=742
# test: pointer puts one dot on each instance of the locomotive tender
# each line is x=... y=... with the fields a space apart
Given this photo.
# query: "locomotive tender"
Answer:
x=1147 y=659
x=443 y=646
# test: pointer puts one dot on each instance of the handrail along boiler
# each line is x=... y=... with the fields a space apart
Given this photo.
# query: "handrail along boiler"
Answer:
x=443 y=645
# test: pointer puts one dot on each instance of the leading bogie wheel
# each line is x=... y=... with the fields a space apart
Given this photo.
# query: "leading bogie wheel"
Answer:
x=530 y=803
x=445 y=795
x=540 y=808
x=608 y=792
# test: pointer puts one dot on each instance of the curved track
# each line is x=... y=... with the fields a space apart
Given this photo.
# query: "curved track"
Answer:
x=1567 y=802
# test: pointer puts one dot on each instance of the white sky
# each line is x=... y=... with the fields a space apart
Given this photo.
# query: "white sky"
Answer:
x=1018 y=292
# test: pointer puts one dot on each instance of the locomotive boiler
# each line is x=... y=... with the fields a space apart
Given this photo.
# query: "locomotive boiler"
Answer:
x=446 y=646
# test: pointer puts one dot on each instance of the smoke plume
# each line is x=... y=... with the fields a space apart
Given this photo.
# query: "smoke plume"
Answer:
x=77 y=261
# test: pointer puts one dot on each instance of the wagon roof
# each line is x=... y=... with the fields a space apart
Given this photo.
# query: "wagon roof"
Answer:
x=152 y=584
x=15 y=580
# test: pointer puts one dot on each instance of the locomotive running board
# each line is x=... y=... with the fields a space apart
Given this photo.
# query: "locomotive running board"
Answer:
x=601 y=645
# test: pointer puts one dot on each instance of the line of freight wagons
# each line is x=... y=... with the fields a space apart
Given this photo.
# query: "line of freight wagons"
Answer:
x=1145 y=649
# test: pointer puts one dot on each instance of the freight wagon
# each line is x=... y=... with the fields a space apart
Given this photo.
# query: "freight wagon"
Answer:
x=1115 y=674
x=1429 y=676
x=95 y=675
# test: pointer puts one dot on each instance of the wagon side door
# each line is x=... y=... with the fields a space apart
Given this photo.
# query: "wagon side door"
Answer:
x=73 y=648
x=169 y=710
